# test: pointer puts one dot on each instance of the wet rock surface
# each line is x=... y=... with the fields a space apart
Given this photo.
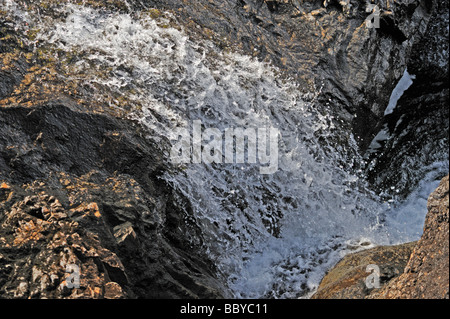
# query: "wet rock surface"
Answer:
x=418 y=127
x=80 y=184
x=325 y=46
x=330 y=48
x=83 y=189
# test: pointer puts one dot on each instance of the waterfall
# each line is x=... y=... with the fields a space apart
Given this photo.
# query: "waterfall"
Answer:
x=271 y=235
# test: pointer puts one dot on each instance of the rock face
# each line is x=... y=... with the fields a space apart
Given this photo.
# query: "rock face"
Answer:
x=421 y=114
x=82 y=190
x=409 y=271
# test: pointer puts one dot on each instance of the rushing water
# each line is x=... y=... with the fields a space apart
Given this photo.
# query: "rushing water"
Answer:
x=272 y=235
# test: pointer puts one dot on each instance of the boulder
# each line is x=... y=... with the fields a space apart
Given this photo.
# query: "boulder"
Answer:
x=347 y=280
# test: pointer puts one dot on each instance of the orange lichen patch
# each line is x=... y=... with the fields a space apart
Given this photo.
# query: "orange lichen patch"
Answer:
x=3 y=185
x=93 y=207
x=94 y=292
x=7 y=60
x=89 y=209
x=113 y=291
x=78 y=189
x=39 y=85
x=317 y=12
x=5 y=192
x=118 y=184
x=28 y=231
x=324 y=34
x=51 y=76
x=64 y=179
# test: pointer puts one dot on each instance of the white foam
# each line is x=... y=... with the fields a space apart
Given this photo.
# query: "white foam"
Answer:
x=269 y=234
x=405 y=219
x=403 y=84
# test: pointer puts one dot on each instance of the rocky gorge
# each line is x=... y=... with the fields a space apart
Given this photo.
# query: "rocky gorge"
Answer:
x=84 y=169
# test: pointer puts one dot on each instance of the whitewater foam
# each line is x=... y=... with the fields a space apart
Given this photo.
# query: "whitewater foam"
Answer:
x=270 y=235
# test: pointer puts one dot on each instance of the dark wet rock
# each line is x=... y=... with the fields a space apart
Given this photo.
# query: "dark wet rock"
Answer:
x=83 y=189
x=326 y=46
x=418 y=127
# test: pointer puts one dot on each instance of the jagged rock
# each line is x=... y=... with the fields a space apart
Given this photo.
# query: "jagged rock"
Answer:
x=126 y=236
x=421 y=114
x=5 y=191
x=113 y=291
x=324 y=45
